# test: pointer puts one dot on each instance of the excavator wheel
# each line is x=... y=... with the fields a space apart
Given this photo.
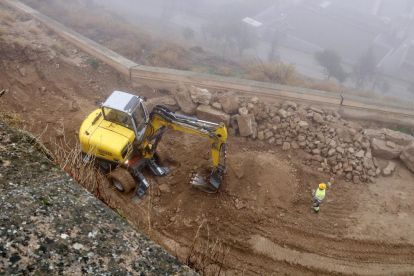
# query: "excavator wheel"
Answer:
x=122 y=180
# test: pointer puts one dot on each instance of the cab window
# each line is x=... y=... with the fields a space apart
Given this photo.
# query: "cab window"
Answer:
x=117 y=117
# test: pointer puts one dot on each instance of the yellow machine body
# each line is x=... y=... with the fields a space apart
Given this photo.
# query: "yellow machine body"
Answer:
x=105 y=139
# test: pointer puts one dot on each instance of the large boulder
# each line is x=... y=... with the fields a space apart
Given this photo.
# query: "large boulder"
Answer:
x=397 y=137
x=167 y=101
x=247 y=124
x=229 y=102
x=208 y=113
x=183 y=97
x=374 y=133
x=199 y=95
x=407 y=156
x=384 y=150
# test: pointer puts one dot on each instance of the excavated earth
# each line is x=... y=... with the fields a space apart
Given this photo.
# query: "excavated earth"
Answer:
x=262 y=211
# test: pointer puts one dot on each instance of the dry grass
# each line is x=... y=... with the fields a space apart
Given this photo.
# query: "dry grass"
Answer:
x=21 y=42
x=328 y=86
x=2 y=31
x=121 y=37
x=129 y=49
x=6 y=16
x=34 y=30
x=207 y=256
x=11 y=118
x=171 y=54
x=83 y=170
x=275 y=72
x=58 y=47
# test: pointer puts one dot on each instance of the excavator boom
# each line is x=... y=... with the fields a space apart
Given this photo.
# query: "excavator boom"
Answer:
x=162 y=119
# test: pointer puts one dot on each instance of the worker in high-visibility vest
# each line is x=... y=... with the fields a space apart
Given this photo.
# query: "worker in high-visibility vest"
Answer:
x=318 y=197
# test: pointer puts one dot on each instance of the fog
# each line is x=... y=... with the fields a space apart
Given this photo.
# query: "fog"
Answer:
x=361 y=44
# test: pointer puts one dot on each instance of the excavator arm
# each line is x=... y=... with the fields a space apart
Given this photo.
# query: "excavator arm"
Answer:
x=162 y=119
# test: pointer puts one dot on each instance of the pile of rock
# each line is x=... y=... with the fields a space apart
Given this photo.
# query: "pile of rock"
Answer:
x=333 y=146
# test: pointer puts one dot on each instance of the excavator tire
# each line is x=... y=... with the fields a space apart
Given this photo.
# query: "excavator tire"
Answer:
x=122 y=180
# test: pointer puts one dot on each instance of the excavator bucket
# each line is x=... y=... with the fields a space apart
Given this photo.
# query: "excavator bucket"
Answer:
x=208 y=187
x=212 y=186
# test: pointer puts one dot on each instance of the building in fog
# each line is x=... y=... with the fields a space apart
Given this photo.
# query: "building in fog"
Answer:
x=349 y=27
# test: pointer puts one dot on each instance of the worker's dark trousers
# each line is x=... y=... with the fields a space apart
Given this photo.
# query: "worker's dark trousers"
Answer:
x=316 y=205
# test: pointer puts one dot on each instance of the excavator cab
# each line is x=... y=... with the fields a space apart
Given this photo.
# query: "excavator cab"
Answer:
x=128 y=111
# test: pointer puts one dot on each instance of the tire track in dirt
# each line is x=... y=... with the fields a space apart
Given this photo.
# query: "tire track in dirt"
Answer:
x=343 y=248
x=274 y=251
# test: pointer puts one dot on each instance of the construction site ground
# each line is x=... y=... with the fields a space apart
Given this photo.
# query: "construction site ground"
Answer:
x=262 y=211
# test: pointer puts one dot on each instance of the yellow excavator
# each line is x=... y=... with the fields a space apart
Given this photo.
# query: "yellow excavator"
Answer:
x=121 y=137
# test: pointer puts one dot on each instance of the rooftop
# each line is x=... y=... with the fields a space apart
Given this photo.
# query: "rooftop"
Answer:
x=329 y=33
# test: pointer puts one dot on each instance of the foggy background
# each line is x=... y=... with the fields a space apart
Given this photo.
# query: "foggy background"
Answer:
x=372 y=38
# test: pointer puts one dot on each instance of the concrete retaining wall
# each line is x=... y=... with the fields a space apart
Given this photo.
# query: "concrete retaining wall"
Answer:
x=349 y=106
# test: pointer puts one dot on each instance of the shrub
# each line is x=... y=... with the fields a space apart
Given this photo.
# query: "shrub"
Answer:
x=34 y=31
x=50 y=32
x=93 y=62
x=171 y=55
x=274 y=72
x=58 y=47
x=197 y=49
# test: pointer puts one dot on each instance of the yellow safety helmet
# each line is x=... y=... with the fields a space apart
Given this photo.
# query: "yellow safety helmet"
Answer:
x=322 y=186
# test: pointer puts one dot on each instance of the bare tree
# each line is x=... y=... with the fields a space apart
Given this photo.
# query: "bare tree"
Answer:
x=365 y=68
x=274 y=53
x=245 y=37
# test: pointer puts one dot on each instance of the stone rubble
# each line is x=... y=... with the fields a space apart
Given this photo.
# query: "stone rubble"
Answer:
x=333 y=144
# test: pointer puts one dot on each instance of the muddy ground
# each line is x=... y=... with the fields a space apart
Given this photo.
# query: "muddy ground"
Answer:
x=261 y=213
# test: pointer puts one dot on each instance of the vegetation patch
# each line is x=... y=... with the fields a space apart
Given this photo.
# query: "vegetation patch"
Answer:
x=171 y=54
x=6 y=16
x=93 y=62
x=10 y=118
x=403 y=129
x=58 y=47
x=34 y=30
x=21 y=42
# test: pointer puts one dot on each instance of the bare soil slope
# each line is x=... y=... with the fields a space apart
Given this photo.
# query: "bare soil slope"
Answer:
x=262 y=211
